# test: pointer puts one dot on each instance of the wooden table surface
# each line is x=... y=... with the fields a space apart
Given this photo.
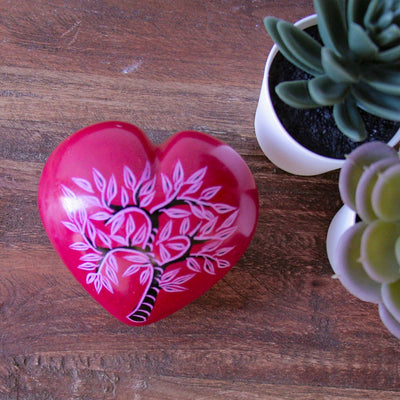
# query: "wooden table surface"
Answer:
x=277 y=326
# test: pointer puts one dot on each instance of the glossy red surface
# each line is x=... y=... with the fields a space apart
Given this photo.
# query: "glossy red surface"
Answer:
x=146 y=229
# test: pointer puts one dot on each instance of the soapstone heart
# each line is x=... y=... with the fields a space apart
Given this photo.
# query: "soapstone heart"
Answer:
x=146 y=229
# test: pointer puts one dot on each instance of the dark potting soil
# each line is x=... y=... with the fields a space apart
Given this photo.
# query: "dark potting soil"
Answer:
x=315 y=128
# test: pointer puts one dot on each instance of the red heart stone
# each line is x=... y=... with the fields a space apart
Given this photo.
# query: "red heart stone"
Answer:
x=146 y=229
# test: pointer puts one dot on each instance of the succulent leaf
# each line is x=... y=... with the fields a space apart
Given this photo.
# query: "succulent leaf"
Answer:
x=302 y=46
x=378 y=251
x=360 y=43
x=350 y=271
x=385 y=79
x=397 y=250
x=332 y=24
x=389 y=321
x=366 y=185
x=372 y=15
x=386 y=194
x=325 y=91
x=356 y=10
x=389 y=36
x=296 y=94
x=349 y=121
x=271 y=24
x=389 y=55
x=377 y=103
x=385 y=18
x=356 y=162
x=339 y=69
x=391 y=298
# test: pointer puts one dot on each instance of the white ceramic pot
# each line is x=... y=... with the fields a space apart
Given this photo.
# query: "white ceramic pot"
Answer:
x=343 y=220
x=277 y=144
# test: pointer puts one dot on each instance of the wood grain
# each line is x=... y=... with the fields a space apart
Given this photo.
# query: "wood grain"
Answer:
x=277 y=326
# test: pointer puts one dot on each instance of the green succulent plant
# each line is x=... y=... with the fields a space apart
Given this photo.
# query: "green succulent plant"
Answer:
x=368 y=253
x=357 y=66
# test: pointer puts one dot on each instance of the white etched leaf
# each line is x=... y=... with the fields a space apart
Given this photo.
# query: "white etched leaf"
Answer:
x=165 y=232
x=230 y=220
x=91 y=231
x=106 y=283
x=148 y=187
x=166 y=184
x=164 y=253
x=192 y=189
x=223 y=264
x=176 y=212
x=178 y=174
x=79 y=246
x=225 y=233
x=82 y=216
x=99 y=180
x=83 y=184
x=211 y=246
x=146 y=173
x=198 y=211
x=223 y=208
x=67 y=192
x=169 y=276
x=223 y=251
x=197 y=176
x=71 y=226
x=90 y=278
x=104 y=238
x=195 y=230
x=209 y=214
x=172 y=288
x=185 y=226
x=180 y=280
x=124 y=197
x=111 y=189
x=100 y=216
x=130 y=226
x=91 y=257
x=193 y=264
x=177 y=246
x=140 y=236
x=129 y=178
x=147 y=199
x=178 y=185
x=87 y=266
x=120 y=239
x=209 y=267
x=111 y=275
x=144 y=276
x=208 y=228
x=90 y=201
x=137 y=258
x=117 y=223
x=132 y=269
x=98 y=283
x=113 y=263
x=209 y=193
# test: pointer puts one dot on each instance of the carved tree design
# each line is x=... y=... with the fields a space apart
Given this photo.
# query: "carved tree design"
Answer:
x=127 y=230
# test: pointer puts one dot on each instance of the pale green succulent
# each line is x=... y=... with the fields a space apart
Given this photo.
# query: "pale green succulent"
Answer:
x=368 y=253
x=357 y=66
